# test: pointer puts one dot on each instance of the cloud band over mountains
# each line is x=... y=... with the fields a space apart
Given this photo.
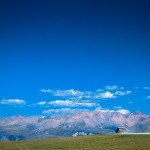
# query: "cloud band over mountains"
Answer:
x=60 y=101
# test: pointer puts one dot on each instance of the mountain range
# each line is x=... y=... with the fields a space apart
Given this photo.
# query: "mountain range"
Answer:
x=74 y=124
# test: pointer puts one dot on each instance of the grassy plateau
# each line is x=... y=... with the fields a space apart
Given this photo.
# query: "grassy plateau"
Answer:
x=92 y=142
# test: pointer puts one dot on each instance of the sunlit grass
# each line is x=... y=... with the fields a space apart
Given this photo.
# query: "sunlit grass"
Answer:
x=94 y=142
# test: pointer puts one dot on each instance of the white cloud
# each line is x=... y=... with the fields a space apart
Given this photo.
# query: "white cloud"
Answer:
x=111 y=87
x=49 y=111
x=70 y=92
x=42 y=103
x=63 y=93
x=69 y=110
x=71 y=103
x=61 y=102
x=104 y=110
x=106 y=95
x=110 y=95
x=99 y=90
x=46 y=91
x=124 y=111
x=122 y=93
x=118 y=107
x=62 y=111
x=12 y=101
x=82 y=95
x=146 y=88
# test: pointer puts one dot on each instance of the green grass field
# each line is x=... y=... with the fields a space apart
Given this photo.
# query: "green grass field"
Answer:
x=93 y=142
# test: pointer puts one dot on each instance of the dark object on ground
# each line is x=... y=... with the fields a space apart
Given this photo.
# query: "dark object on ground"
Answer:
x=120 y=130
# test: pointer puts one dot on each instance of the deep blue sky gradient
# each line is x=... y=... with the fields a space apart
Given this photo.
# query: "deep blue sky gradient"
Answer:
x=65 y=44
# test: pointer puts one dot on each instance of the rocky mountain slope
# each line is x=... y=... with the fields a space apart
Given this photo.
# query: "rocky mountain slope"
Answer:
x=80 y=123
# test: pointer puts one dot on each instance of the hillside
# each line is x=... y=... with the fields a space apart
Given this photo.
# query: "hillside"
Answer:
x=94 y=142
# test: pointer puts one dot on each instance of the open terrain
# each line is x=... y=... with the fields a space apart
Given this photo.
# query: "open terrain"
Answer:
x=92 y=142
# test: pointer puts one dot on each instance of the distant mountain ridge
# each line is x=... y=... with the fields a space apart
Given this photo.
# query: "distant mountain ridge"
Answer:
x=80 y=123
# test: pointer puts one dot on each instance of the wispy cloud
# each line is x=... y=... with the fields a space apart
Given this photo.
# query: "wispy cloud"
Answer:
x=42 y=103
x=111 y=87
x=122 y=111
x=13 y=102
x=46 y=91
x=146 y=88
x=62 y=111
x=69 y=110
x=118 y=107
x=98 y=94
x=71 y=94
x=122 y=93
x=63 y=93
x=72 y=103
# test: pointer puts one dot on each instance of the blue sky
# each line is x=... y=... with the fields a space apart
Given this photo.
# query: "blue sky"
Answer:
x=78 y=47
